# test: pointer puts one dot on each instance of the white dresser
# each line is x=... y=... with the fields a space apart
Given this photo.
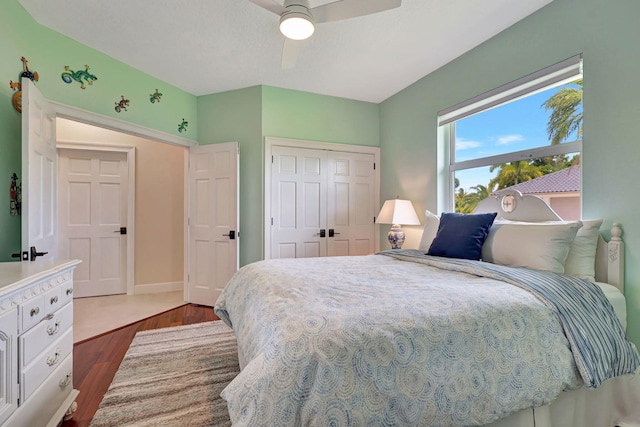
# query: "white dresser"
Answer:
x=36 y=342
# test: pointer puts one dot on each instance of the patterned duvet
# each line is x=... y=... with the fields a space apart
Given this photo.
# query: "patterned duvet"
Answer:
x=382 y=341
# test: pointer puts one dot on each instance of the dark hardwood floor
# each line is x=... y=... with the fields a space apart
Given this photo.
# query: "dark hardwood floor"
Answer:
x=95 y=361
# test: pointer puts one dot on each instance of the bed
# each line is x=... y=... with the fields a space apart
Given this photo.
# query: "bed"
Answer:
x=484 y=330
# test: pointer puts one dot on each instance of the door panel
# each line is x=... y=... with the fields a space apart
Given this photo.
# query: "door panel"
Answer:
x=93 y=207
x=212 y=243
x=39 y=167
x=350 y=204
x=297 y=202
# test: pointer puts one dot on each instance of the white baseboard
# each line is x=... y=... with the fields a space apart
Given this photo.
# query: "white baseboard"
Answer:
x=154 y=288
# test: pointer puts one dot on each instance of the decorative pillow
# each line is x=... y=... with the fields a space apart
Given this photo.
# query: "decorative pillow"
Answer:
x=581 y=261
x=431 y=224
x=536 y=245
x=461 y=236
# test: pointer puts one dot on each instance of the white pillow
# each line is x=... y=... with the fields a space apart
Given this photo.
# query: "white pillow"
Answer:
x=431 y=224
x=536 y=245
x=581 y=261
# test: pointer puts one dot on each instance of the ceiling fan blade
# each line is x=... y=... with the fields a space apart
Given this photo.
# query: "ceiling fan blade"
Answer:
x=290 y=51
x=346 y=9
x=271 y=5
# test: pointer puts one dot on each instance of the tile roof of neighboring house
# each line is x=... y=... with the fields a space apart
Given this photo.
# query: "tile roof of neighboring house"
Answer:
x=562 y=181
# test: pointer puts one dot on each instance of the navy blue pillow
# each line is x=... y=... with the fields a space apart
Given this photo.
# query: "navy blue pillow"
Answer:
x=461 y=236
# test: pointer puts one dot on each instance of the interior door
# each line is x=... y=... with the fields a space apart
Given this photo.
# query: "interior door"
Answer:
x=350 y=204
x=39 y=168
x=93 y=207
x=212 y=221
x=298 y=203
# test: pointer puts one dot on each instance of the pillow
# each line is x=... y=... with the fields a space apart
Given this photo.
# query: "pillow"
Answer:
x=581 y=261
x=461 y=236
x=536 y=245
x=431 y=224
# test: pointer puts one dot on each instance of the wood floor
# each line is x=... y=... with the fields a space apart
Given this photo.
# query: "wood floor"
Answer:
x=96 y=361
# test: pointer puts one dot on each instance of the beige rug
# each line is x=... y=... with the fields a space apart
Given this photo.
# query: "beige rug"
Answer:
x=172 y=377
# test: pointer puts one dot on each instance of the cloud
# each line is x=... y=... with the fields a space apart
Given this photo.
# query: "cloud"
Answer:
x=509 y=139
x=465 y=144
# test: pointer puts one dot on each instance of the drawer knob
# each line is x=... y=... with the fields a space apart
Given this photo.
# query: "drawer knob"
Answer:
x=65 y=381
x=69 y=291
x=52 y=330
x=35 y=311
x=54 y=360
x=54 y=300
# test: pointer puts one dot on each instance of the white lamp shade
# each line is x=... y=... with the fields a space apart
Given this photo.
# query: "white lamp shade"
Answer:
x=297 y=25
x=399 y=212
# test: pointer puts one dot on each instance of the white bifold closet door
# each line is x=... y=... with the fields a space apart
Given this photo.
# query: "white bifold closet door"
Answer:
x=322 y=203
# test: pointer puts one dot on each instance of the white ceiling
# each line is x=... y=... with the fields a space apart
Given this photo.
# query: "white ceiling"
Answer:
x=209 y=46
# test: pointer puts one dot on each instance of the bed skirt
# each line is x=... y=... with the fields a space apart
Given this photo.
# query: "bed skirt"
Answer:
x=614 y=403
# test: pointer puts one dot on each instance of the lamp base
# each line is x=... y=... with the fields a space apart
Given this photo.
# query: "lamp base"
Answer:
x=396 y=237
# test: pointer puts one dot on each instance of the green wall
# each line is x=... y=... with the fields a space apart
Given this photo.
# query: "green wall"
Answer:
x=607 y=35
x=248 y=115
x=48 y=52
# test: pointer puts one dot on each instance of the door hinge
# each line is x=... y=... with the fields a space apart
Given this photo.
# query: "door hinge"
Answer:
x=272 y=159
x=271 y=220
x=374 y=165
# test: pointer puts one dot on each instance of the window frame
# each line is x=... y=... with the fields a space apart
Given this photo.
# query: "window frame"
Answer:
x=555 y=75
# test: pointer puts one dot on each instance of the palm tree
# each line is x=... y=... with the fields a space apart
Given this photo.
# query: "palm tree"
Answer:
x=513 y=173
x=566 y=113
x=467 y=202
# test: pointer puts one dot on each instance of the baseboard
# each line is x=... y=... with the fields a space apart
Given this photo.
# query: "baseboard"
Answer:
x=154 y=288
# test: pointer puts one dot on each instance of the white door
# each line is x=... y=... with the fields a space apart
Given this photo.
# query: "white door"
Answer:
x=39 y=235
x=350 y=204
x=212 y=221
x=298 y=203
x=322 y=203
x=92 y=200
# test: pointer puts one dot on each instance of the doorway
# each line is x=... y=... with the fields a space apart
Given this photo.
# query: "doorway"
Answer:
x=155 y=227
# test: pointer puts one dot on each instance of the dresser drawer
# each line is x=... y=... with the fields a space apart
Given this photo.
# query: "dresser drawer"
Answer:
x=66 y=292
x=35 y=374
x=31 y=312
x=41 y=336
x=52 y=300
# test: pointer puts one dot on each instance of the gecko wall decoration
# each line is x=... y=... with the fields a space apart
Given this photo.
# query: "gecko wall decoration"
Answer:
x=69 y=76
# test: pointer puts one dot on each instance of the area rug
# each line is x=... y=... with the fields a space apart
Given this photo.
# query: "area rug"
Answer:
x=172 y=377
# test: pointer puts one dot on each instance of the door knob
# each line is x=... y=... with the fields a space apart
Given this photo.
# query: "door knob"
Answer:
x=34 y=253
x=231 y=235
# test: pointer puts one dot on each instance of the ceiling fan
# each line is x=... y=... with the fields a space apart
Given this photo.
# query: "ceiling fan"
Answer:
x=297 y=19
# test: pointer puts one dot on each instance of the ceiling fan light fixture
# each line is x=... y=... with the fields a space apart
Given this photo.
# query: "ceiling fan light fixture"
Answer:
x=297 y=23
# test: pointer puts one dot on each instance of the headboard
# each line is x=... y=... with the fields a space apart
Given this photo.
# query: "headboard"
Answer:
x=513 y=205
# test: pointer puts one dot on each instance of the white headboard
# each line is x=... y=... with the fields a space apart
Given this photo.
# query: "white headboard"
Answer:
x=515 y=206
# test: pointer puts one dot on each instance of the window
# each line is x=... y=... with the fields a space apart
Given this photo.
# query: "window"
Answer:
x=525 y=135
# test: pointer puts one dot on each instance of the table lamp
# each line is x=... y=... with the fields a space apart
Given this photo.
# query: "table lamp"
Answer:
x=397 y=212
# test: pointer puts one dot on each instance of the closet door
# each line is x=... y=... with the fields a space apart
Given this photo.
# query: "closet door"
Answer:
x=298 y=203
x=322 y=203
x=350 y=204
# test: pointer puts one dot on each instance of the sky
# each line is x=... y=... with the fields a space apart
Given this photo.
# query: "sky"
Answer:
x=516 y=126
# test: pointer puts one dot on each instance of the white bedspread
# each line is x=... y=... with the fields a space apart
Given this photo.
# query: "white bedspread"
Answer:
x=377 y=341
